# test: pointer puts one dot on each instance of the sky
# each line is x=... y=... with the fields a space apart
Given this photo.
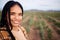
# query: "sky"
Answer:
x=36 y=4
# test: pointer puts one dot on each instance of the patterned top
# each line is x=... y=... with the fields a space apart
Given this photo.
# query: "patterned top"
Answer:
x=4 y=35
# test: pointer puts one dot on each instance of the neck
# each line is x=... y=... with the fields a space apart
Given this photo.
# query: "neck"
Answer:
x=15 y=28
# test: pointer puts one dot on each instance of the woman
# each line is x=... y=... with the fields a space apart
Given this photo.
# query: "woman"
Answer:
x=10 y=25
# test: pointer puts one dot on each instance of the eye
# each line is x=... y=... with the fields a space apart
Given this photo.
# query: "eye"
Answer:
x=20 y=14
x=12 y=13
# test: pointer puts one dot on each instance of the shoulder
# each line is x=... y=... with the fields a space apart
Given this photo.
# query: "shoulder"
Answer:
x=2 y=29
x=3 y=33
x=24 y=31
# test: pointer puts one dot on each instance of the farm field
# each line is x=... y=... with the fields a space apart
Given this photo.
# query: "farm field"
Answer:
x=42 y=25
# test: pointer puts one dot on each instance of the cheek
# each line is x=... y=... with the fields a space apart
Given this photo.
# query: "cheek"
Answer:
x=20 y=17
x=12 y=17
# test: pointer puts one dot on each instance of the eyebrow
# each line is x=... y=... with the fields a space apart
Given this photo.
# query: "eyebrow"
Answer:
x=14 y=12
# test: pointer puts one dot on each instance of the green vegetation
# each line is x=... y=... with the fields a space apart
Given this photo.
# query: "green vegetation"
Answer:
x=42 y=25
x=49 y=33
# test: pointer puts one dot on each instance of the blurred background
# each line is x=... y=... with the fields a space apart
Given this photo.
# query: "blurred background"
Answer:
x=41 y=18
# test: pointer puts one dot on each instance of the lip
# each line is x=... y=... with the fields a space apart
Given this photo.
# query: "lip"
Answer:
x=16 y=22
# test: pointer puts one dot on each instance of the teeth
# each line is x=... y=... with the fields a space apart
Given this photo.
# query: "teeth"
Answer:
x=16 y=22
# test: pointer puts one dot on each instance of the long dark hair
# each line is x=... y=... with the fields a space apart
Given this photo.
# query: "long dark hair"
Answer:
x=4 y=21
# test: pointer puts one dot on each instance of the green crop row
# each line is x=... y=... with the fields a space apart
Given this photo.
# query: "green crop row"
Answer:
x=56 y=23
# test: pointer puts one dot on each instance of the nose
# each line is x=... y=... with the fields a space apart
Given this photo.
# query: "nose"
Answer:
x=16 y=17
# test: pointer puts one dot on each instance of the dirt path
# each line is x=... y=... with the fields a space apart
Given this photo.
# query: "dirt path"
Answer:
x=34 y=33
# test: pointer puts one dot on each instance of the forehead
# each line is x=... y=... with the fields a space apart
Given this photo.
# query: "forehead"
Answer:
x=16 y=9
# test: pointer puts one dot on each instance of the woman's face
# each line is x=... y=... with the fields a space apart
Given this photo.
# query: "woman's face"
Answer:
x=15 y=15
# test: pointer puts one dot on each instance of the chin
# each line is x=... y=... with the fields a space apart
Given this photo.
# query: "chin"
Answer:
x=16 y=25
